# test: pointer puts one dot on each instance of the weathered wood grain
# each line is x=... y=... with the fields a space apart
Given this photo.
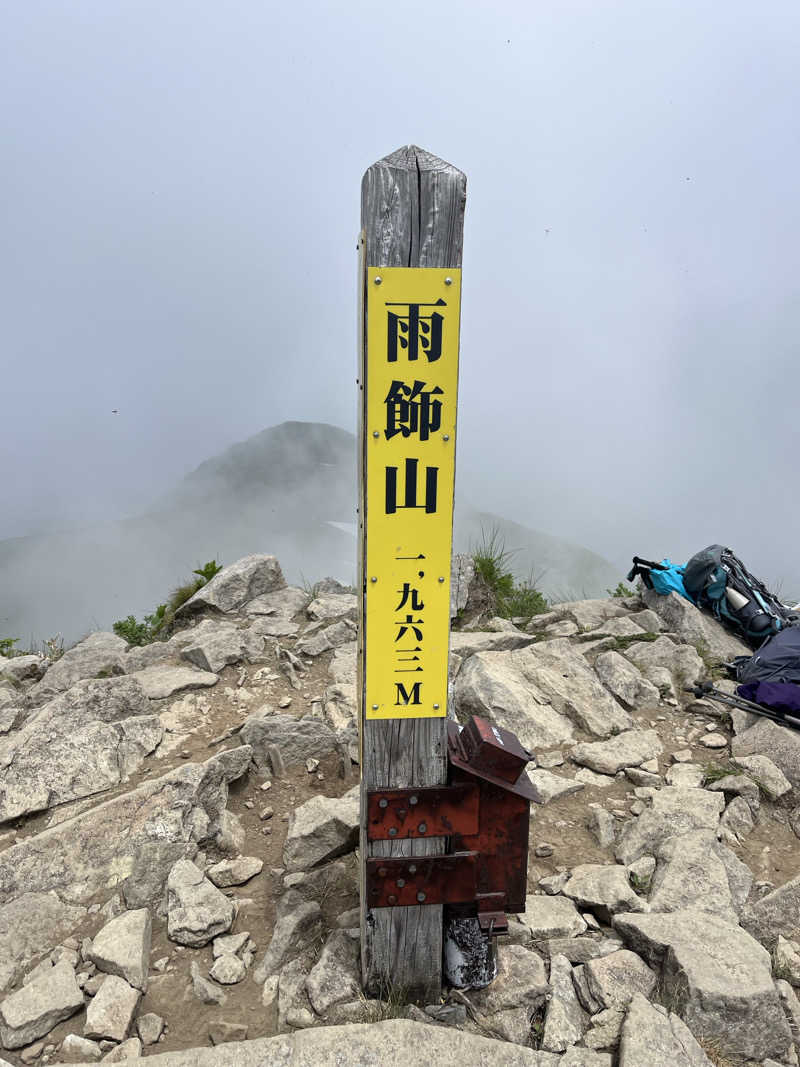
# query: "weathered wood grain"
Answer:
x=412 y=215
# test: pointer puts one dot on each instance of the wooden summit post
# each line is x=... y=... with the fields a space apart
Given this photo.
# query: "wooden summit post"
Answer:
x=412 y=216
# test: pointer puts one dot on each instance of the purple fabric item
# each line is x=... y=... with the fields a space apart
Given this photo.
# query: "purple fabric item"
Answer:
x=783 y=697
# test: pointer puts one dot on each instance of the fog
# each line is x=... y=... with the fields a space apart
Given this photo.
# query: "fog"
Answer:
x=180 y=190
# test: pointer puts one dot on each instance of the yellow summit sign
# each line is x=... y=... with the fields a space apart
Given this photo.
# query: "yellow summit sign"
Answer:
x=411 y=384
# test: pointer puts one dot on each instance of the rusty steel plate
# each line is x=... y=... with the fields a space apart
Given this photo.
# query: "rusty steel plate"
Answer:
x=410 y=880
x=438 y=811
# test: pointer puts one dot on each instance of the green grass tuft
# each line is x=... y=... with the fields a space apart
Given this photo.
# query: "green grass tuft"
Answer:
x=506 y=597
x=159 y=625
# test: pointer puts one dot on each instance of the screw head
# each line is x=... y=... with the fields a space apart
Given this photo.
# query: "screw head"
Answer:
x=448 y=281
x=420 y=897
x=400 y=883
x=435 y=707
x=412 y=868
x=445 y=436
x=378 y=279
x=373 y=579
x=441 y=579
x=383 y=803
x=423 y=826
x=376 y=433
x=392 y=899
x=374 y=707
x=392 y=831
x=382 y=872
x=413 y=800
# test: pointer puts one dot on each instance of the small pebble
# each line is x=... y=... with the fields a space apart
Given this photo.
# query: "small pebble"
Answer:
x=284 y=702
x=714 y=741
x=267 y=813
x=321 y=777
x=249 y=804
x=266 y=785
x=311 y=765
x=543 y=850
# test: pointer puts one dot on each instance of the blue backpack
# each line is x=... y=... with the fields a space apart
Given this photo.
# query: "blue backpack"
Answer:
x=664 y=577
x=719 y=582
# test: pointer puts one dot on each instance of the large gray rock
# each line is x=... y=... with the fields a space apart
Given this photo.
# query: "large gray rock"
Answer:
x=295 y=918
x=29 y=925
x=236 y=585
x=122 y=947
x=320 y=830
x=561 y=673
x=776 y=913
x=111 y=1011
x=591 y=614
x=778 y=744
x=628 y=749
x=496 y=685
x=508 y=1003
x=274 y=613
x=613 y=979
x=336 y=976
x=396 y=1041
x=763 y=771
x=82 y=742
x=215 y=644
x=565 y=1020
x=467 y=643
x=127 y=844
x=22 y=668
x=624 y=681
x=197 y=911
x=675 y=810
x=549 y=917
x=323 y=640
x=297 y=739
x=694 y=627
x=691 y=874
x=716 y=976
x=40 y=1005
x=99 y=654
x=604 y=888
x=651 y=657
x=333 y=605
x=650 y=1039
x=163 y=680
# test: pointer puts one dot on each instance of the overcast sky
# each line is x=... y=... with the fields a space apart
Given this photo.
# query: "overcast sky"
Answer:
x=180 y=197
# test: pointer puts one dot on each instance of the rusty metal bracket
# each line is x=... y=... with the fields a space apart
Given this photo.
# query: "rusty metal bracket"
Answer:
x=440 y=811
x=404 y=881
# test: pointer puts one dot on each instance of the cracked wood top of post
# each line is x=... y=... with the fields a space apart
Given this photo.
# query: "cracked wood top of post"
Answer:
x=412 y=209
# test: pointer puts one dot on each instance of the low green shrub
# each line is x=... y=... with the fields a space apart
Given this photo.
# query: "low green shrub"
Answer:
x=159 y=625
x=505 y=596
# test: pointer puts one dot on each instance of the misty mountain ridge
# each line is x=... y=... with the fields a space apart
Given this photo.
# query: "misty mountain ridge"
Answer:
x=289 y=490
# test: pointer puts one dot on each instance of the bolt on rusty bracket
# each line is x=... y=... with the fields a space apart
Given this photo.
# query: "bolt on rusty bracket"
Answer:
x=438 y=811
x=404 y=881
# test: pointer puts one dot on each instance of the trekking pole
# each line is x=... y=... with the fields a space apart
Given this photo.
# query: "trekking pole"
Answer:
x=705 y=690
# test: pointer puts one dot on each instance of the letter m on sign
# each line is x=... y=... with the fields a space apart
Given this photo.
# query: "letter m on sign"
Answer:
x=403 y=695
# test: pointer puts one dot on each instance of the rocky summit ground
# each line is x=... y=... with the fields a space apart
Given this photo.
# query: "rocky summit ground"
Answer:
x=178 y=822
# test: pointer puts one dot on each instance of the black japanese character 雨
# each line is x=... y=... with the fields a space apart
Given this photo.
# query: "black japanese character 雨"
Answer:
x=414 y=332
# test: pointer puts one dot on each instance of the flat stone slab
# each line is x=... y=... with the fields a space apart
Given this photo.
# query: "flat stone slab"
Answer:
x=237 y=585
x=628 y=749
x=160 y=682
x=777 y=913
x=549 y=917
x=547 y=786
x=40 y=1005
x=396 y=1041
x=604 y=888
